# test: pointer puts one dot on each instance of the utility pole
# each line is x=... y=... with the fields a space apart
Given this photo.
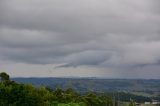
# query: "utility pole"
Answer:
x=114 y=100
x=118 y=99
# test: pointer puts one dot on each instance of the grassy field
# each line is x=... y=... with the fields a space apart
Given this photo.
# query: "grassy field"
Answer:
x=142 y=94
x=127 y=104
x=148 y=105
x=123 y=104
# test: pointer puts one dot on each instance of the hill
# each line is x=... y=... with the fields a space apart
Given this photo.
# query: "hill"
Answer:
x=89 y=84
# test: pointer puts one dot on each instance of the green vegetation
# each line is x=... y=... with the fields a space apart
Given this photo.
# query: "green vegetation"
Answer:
x=132 y=103
x=14 y=94
x=140 y=87
x=126 y=97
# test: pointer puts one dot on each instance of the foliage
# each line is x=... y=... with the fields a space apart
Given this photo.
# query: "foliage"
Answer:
x=132 y=103
x=122 y=96
x=4 y=76
x=15 y=94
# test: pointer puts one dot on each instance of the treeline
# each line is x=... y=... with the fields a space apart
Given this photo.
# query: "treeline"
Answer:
x=125 y=97
x=14 y=94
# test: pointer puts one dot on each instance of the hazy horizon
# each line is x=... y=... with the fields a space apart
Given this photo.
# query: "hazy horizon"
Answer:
x=80 y=38
x=82 y=77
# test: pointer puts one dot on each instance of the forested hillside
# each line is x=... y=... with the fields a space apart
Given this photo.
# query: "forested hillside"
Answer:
x=86 y=84
x=20 y=94
x=14 y=94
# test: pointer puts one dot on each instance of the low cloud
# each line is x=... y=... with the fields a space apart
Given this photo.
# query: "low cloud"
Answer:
x=117 y=34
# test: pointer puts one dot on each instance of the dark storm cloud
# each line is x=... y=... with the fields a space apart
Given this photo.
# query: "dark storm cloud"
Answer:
x=102 y=33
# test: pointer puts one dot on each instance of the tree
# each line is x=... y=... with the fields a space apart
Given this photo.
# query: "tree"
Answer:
x=132 y=103
x=4 y=77
x=59 y=94
x=71 y=95
x=92 y=100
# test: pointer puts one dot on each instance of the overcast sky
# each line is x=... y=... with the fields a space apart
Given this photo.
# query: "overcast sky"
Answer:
x=84 y=38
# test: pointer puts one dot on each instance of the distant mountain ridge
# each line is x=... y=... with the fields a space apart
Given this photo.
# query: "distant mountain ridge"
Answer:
x=95 y=84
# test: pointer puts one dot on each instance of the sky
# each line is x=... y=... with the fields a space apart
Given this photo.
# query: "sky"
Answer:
x=80 y=38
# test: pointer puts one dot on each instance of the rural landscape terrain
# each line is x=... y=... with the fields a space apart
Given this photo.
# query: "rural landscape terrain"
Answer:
x=78 y=92
x=79 y=52
x=140 y=90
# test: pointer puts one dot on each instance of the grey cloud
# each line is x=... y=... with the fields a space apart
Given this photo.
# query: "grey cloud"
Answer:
x=86 y=58
x=105 y=33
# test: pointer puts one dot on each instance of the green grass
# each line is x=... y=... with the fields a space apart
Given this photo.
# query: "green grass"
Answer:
x=147 y=105
x=142 y=94
x=123 y=103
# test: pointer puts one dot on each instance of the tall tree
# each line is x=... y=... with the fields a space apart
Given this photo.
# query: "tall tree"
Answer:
x=4 y=77
x=132 y=103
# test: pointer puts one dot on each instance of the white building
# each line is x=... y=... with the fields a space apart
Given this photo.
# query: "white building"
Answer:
x=155 y=102
x=147 y=103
